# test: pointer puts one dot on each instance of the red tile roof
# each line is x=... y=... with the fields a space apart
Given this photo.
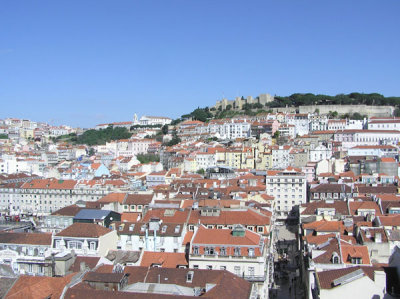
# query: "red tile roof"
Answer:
x=49 y=184
x=25 y=238
x=113 y=197
x=89 y=230
x=164 y=259
x=38 y=287
x=224 y=237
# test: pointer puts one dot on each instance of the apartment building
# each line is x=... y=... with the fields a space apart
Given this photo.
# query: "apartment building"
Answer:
x=44 y=196
x=26 y=253
x=85 y=239
x=289 y=188
x=238 y=250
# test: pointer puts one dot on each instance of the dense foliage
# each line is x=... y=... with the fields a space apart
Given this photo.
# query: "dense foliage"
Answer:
x=96 y=137
x=175 y=139
x=3 y=136
x=201 y=114
x=354 y=98
x=147 y=158
x=144 y=126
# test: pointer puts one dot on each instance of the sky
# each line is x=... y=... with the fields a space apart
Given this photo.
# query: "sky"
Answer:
x=82 y=63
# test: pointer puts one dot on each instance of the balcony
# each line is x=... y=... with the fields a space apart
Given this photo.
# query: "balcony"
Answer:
x=254 y=278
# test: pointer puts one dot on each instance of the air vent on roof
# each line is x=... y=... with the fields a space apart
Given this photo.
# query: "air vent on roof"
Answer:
x=169 y=212
x=238 y=231
x=348 y=277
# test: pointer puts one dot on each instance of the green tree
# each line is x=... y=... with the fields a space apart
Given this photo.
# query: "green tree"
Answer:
x=164 y=129
x=257 y=106
x=175 y=139
x=200 y=114
x=96 y=137
x=147 y=158
x=357 y=116
x=201 y=171
x=277 y=134
x=3 y=136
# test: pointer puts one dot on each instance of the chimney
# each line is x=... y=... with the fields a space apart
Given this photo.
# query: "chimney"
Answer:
x=82 y=266
x=378 y=237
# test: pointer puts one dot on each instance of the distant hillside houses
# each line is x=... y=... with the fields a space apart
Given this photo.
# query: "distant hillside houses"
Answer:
x=143 y=121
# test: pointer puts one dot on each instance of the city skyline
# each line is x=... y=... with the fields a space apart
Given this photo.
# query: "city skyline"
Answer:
x=83 y=64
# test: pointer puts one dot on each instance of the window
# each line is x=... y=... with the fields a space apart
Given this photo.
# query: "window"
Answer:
x=222 y=251
x=92 y=246
x=260 y=229
x=74 y=245
x=195 y=250
x=191 y=227
x=251 y=252
x=189 y=276
x=209 y=267
x=336 y=260
x=222 y=267
x=195 y=266
x=237 y=270
x=237 y=251
x=209 y=250
x=251 y=271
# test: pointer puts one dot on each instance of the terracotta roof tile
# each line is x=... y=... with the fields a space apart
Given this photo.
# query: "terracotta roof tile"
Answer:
x=164 y=259
x=25 y=238
x=38 y=287
x=89 y=230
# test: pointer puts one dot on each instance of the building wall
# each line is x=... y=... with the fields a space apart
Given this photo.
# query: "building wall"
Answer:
x=107 y=242
x=360 y=288
x=380 y=111
x=289 y=191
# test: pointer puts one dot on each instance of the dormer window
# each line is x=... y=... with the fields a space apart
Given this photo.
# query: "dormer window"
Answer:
x=356 y=260
x=177 y=229
x=251 y=252
x=222 y=251
x=164 y=229
x=143 y=228
x=131 y=227
x=121 y=227
x=209 y=251
x=335 y=258
x=189 y=276
x=195 y=250
x=236 y=251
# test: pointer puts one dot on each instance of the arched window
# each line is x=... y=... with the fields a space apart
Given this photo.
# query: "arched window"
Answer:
x=335 y=258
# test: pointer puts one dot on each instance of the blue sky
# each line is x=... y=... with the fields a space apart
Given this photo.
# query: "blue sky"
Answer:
x=87 y=62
